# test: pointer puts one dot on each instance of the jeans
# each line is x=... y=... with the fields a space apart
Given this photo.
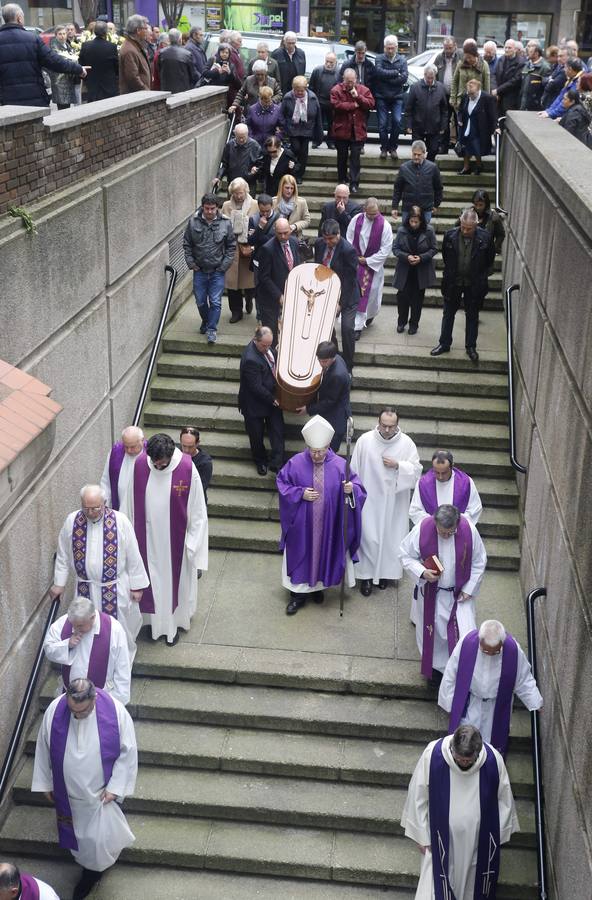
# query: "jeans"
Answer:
x=389 y=114
x=208 y=288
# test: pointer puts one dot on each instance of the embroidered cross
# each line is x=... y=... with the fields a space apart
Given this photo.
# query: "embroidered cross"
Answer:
x=180 y=488
x=490 y=874
x=430 y=629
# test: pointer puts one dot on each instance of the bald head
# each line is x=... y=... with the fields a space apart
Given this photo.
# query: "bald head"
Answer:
x=132 y=439
x=93 y=501
x=282 y=230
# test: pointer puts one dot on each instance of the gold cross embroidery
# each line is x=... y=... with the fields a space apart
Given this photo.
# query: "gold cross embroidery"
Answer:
x=180 y=488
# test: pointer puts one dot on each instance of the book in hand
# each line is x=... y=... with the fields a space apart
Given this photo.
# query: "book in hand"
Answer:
x=433 y=564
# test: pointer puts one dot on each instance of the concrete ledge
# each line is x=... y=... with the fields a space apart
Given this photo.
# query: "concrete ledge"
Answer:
x=185 y=97
x=101 y=109
x=14 y=115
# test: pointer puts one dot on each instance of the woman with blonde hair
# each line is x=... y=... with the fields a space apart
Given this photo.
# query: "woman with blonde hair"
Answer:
x=292 y=207
x=239 y=279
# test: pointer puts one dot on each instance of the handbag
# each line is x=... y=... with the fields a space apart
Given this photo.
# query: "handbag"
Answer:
x=459 y=148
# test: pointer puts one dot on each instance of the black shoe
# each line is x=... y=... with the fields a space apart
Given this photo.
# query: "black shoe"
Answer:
x=366 y=587
x=369 y=322
x=382 y=584
x=261 y=469
x=400 y=329
x=412 y=329
x=478 y=170
x=330 y=145
x=315 y=146
x=235 y=317
x=357 y=335
x=299 y=180
x=174 y=641
x=318 y=597
x=464 y=172
x=439 y=350
x=249 y=305
x=362 y=151
x=87 y=881
x=353 y=189
x=274 y=469
x=295 y=604
x=436 y=679
x=472 y=354
x=203 y=328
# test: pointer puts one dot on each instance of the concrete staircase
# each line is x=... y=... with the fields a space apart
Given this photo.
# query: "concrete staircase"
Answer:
x=275 y=753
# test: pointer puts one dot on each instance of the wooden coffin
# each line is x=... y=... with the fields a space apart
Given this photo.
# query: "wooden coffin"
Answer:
x=311 y=297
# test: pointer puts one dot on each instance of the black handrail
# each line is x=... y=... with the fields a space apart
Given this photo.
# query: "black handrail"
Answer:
x=498 y=139
x=228 y=136
x=511 y=411
x=26 y=702
x=536 y=748
x=156 y=344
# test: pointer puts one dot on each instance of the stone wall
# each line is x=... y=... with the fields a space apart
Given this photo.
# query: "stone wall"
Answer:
x=547 y=190
x=80 y=304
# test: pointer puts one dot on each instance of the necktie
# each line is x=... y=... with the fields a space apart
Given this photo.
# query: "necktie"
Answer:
x=289 y=257
x=270 y=361
x=328 y=257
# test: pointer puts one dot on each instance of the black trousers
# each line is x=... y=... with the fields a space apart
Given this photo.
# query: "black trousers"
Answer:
x=235 y=299
x=352 y=149
x=255 y=427
x=270 y=313
x=445 y=138
x=432 y=142
x=299 y=147
x=452 y=303
x=410 y=300
x=327 y=117
x=348 y=337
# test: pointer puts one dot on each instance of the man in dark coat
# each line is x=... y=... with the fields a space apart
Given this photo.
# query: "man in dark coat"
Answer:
x=477 y=113
x=261 y=230
x=390 y=78
x=257 y=402
x=23 y=55
x=291 y=61
x=334 y=251
x=417 y=184
x=332 y=402
x=195 y=47
x=241 y=158
x=277 y=258
x=427 y=111
x=509 y=79
x=362 y=66
x=342 y=209
x=102 y=58
x=468 y=253
x=176 y=66
x=322 y=80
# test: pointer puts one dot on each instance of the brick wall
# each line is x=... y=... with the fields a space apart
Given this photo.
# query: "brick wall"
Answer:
x=35 y=162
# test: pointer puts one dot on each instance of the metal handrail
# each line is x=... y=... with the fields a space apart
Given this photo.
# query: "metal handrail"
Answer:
x=228 y=136
x=156 y=344
x=511 y=411
x=26 y=702
x=498 y=139
x=536 y=748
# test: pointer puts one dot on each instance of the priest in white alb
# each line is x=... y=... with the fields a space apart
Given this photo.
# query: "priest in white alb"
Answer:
x=371 y=236
x=86 y=762
x=483 y=673
x=119 y=466
x=387 y=463
x=445 y=484
x=90 y=644
x=97 y=545
x=446 y=599
x=459 y=810
x=171 y=524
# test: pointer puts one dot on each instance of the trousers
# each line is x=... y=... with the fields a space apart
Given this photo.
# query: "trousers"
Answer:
x=255 y=427
x=452 y=303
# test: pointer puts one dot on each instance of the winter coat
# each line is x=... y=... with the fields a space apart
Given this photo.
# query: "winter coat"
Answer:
x=286 y=165
x=200 y=60
x=289 y=68
x=23 y=55
x=390 y=77
x=228 y=79
x=312 y=128
x=262 y=121
x=134 y=68
x=209 y=245
x=440 y=64
x=365 y=71
x=239 y=275
x=533 y=84
x=464 y=73
x=483 y=123
x=300 y=216
x=426 y=249
x=418 y=186
x=556 y=110
x=426 y=111
x=482 y=256
x=62 y=83
x=102 y=80
x=553 y=84
x=273 y=70
x=509 y=82
x=321 y=82
x=177 y=70
x=350 y=115
x=576 y=121
x=238 y=159
x=249 y=93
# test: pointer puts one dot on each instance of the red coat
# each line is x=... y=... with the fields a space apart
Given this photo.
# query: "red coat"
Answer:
x=348 y=112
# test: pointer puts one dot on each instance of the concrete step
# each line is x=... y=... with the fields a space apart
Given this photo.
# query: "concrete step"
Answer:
x=448 y=164
x=380 y=860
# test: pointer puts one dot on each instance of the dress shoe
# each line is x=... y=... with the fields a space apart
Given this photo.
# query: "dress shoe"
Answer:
x=357 y=335
x=261 y=469
x=274 y=469
x=383 y=154
x=353 y=189
x=472 y=354
x=249 y=305
x=315 y=146
x=318 y=597
x=394 y=154
x=299 y=180
x=362 y=151
x=439 y=350
x=235 y=317
x=369 y=321
x=87 y=881
x=412 y=329
x=330 y=145
x=174 y=641
x=400 y=329
x=366 y=587
x=464 y=171
x=203 y=328
x=382 y=584
x=296 y=602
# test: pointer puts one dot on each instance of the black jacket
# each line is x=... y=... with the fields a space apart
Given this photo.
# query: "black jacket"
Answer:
x=312 y=128
x=418 y=186
x=553 y=84
x=209 y=245
x=426 y=249
x=200 y=60
x=332 y=401
x=273 y=270
x=321 y=82
x=329 y=211
x=509 y=82
x=287 y=165
x=483 y=120
x=345 y=264
x=22 y=57
x=482 y=256
x=576 y=121
x=390 y=76
x=177 y=69
x=440 y=64
x=259 y=236
x=257 y=384
x=426 y=111
x=533 y=84
x=289 y=68
x=365 y=71
x=102 y=80
x=238 y=159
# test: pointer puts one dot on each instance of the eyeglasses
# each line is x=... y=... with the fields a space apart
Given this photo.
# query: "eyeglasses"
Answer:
x=189 y=430
x=93 y=508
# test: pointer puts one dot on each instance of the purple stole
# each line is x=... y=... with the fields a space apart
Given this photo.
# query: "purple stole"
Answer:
x=463 y=549
x=365 y=274
x=488 y=852
x=116 y=458
x=29 y=887
x=500 y=731
x=461 y=491
x=79 y=534
x=180 y=487
x=99 y=654
x=109 y=741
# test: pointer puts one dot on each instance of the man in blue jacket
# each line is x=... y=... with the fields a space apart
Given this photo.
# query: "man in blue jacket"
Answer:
x=390 y=79
x=22 y=57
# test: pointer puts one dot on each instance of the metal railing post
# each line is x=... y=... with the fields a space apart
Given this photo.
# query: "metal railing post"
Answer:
x=498 y=139
x=511 y=411
x=536 y=747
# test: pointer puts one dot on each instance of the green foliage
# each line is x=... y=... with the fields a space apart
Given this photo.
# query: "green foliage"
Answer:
x=19 y=212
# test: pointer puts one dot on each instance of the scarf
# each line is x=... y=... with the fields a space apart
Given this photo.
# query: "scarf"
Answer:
x=239 y=218
x=300 y=113
x=286 y=207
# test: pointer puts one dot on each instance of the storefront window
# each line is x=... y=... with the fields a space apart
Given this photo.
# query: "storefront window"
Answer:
x=322 y=18
x=256 y=17
x=438 y=26
x=401 y=21
x=519 y=26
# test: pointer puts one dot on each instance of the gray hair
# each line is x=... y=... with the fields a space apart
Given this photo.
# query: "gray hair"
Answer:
x=11 y=12
x=343 y=187
x=197 y=29
x=81 y=689
x=132 y=432
x=262 y=331
x=492 y=633
x=241 y=128
x=291 y=35
x=447 y=516
x=174 y=36
x=93 y=488
x=262 y=45
x=101 y=29
x=259 y=66
x=81 y=609
x=467 y=741
x=163 y=40
x=134 y=23
x=371 y=201
x=419 y=145
x=391 y=39
x=430 y=68
x=469 y=216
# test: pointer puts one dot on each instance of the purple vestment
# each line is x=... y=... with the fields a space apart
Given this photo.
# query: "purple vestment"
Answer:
x=29 y=887
x=98 y=662
x=110 y=744
x=365 y=273
x=461 y=491
x=463 y=550
x=296 y=517
x=116 y=458
x=502 y=713
x=110 y=546
x=488 y=851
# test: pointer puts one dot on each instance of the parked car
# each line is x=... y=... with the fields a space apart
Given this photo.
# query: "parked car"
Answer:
x=416 y=64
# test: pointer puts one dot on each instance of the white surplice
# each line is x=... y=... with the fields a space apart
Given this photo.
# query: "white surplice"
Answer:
x=464 y=819
x=45 y=891
x=444 y=494
x=484 y=686
x=385 y=517
x=125 y=475
x=101 y=829
x=119 y=672
x=375 y=262
x=465 y=611
x=158 y=544
x=131 y=574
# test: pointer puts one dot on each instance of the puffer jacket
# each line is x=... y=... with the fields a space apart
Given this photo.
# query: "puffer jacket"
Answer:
x=209 y=245
x=390 y=77
x=22 y=57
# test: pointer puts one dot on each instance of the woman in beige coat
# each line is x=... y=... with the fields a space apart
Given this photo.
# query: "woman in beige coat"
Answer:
x=292 y=207
x=239 y=278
